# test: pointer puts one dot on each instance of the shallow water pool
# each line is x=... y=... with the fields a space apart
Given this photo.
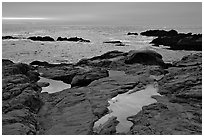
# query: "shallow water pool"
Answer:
x=55 y=85
x=127 y=104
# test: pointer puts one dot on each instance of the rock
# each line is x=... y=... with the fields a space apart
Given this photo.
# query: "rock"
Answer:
x=86 y=78
x=175 y=40
x=159 y=33
x=63 y=73
x=179 y=109
x=40 y=38
x=74 y=39
x=144 y=57
x=113 y=42
x=6 y=62
x=43 y=84
x=189 y=43
x=103 y=60
x=109 y=55
x=20 y=99
x=117 y=43
x=109 y=127
x=132 y=33
x=39 y=63
x=8 y=37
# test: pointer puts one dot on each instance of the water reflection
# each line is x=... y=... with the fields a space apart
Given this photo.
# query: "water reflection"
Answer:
x=54 y=86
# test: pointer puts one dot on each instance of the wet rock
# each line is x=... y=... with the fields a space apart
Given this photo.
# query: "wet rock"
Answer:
x=6 y=62
x=39 y=63
x=41 y=38
x=109 y=127
x=132 y=33
x=144 y=57
x=20 y=99
x=8 y=37
x=86 y=78
x=62 y=73
x=159 y=33
x=43 y=84
x=175 y=40
x=117 y=43
x=74 y=39
x=113 y=42
x=179 y=110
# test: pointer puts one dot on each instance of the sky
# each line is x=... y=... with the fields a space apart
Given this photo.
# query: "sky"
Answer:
x=106 y=13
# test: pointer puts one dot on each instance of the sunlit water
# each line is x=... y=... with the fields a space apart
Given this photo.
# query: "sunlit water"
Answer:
x=125 y=105
x=55 y=85
x=69 y=52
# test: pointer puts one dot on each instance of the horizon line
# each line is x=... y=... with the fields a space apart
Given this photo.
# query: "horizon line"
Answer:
x=22 y=18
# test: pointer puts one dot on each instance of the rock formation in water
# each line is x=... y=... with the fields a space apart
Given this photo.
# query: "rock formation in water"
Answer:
x=132 y=33
x=74 y=39
x=8 y=37
x=175 y=40
x=40 y=38
x=115 y=42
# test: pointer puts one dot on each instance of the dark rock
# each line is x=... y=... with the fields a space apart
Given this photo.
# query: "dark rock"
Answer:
x=159 y=33
x=6 y=62
x=43 y=84
x=39 y=63
x=113 y=42
x=40 y=38
x=74 y=39
x=117 y=43
x=175 y=40
x=132 y=33
x=20 y=99
x=179 y=109
x=144 y=57
x=62 y=73
x=109 y=127
x=86 y=78
x=108 y=55
x=8 y=37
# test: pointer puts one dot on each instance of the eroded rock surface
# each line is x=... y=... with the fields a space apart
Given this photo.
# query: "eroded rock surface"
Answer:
x=20 y=99
x=74 y=110
x=179 y=110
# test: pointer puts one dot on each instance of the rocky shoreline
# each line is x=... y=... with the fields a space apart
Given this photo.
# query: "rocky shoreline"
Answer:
x=27 y=110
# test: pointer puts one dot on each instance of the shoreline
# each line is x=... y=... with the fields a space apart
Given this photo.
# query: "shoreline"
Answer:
x=75 y=110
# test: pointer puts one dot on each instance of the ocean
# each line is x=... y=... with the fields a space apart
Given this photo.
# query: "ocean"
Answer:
x=26 y=51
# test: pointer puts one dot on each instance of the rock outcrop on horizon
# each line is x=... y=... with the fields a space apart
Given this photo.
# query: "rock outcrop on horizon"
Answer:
x=8 y=37
x=175 y=40
x=132 y=33
x=74 y=39
x=41 y=38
